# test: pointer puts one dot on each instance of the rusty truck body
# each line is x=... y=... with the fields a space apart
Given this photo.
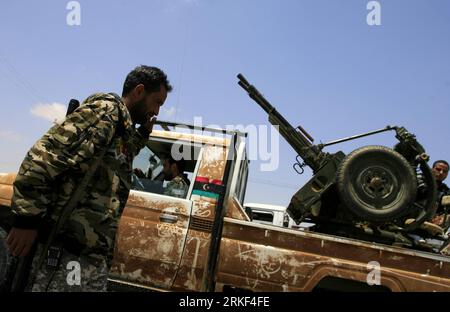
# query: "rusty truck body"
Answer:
x=206 y=242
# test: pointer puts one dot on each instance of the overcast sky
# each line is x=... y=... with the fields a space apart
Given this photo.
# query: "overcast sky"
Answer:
x=317 y=61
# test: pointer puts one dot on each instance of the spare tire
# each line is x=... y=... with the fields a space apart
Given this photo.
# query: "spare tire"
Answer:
x=376 y=183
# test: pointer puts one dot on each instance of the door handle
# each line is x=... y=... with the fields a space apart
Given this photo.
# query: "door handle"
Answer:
x=168 y=218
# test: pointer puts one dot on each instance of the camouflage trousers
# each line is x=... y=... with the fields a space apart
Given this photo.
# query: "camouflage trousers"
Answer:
x=73 y=274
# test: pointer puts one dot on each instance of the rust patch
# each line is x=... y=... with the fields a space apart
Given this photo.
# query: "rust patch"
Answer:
x=6 y=192
x=203 y=207
x=6 y=188
x=213 y=163
x=7 y=178
x=148 y=250
x=4 y=202
x=155 y=202
x=258 y=266
x=236 y=211
x=193 y=262
x=285 y=261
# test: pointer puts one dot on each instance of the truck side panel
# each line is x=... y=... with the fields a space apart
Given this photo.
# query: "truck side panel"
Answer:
x=266 y=258
x=150 y=239
x=6 y=189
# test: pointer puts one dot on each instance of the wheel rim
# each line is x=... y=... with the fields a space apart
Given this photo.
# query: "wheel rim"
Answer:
x=377 y=187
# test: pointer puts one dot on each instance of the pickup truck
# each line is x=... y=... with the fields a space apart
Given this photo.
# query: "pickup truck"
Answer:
x=207 y=242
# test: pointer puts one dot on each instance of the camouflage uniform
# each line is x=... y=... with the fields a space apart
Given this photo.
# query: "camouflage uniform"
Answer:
x=177 y=187
x=74 y=274
x=5 y=258
x=442 y=190
x=56 y=164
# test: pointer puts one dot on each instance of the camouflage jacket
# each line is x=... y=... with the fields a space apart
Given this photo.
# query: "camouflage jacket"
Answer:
x=57 y=162
x=442 y=190
x=177 y=187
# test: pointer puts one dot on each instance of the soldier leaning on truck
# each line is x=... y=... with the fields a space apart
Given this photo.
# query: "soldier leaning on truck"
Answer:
x=55 y=165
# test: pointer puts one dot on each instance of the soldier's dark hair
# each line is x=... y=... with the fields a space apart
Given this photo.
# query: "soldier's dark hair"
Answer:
x=150 y=77
x=440 y=162
x=181 y=164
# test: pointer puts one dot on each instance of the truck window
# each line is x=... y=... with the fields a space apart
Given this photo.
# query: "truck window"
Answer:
x=148 y=168
x=264 y=217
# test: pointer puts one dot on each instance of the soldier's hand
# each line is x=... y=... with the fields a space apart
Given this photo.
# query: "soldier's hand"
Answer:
x=147 y=128
x=20 y=241
x=445 y=200
x=149 y=125
x=438 y=220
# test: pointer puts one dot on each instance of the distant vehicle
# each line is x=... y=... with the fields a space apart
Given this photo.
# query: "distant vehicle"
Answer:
x=268 y=214
x=273 y=215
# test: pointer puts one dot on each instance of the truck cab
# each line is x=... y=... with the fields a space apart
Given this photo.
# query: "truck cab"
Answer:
x=163 y=240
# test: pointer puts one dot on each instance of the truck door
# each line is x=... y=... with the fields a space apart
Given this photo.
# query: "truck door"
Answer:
x=151 y=236
x=233 y=171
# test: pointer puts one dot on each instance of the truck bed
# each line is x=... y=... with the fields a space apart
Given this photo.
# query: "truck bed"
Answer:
x=270 y=258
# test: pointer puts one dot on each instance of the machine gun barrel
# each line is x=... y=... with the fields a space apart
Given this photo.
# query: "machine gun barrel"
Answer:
x=299 y=142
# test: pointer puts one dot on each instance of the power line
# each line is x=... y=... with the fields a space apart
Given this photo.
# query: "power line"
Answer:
x=19 y=80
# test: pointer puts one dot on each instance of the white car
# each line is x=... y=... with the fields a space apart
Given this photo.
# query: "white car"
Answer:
x=273 y=215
